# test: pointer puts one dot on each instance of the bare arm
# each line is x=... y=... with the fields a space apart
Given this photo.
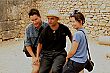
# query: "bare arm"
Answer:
x=39 y=47
x=73 y=50
x=36 y=59
x=29 y=49
x=70 y=37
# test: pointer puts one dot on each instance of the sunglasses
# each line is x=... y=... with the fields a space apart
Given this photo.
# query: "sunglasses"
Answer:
x=75 y=12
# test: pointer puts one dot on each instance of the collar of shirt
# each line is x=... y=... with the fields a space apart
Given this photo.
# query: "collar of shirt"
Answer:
x=40 y=26
x=81 y=29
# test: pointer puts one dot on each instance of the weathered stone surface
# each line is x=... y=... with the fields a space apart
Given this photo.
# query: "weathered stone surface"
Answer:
x=9 y=34
x=3 y=11
x=0 y=35
x=14 y=14
x=104 y=40
x=0 y=27
x=6 y=35
x=8 y=25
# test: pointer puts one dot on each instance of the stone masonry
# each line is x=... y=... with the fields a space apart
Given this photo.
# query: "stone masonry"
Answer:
x=14 y=15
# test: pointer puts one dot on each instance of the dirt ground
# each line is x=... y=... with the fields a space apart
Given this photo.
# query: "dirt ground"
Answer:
x=13 y=60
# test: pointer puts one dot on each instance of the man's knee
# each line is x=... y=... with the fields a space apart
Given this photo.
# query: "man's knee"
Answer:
x=56 y=70
x=44 y=70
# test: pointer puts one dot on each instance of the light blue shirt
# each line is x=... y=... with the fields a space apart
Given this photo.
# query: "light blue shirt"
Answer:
x=81 y=53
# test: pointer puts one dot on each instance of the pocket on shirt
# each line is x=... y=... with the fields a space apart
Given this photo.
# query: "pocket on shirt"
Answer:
x=33 y=35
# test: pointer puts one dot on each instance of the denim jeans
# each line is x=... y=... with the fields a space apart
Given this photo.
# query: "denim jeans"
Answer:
x=73 y=67
x=53 y=61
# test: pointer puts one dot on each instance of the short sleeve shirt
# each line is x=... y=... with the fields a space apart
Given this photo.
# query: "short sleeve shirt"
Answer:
x=81 y=53
x=54 y=40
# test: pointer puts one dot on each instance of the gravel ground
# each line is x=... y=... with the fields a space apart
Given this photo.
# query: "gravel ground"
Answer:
x=13 y=60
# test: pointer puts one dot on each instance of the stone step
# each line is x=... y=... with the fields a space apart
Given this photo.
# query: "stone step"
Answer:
x=104 y=40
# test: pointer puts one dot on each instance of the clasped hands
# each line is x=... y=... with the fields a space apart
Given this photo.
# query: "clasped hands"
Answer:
x=35 y=60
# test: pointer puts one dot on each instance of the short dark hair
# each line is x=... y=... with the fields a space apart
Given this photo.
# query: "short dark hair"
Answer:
x=34 y=12
x=78 y=16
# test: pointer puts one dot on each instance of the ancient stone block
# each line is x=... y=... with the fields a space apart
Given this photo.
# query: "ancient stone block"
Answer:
x=103 y=6
x=13 y=13
x=103 y=11
x=95 y=11
x=108 y=24
x=0 y=27
x=8 y=34
x=104 y=40
x=8 y=25
x=3 y=10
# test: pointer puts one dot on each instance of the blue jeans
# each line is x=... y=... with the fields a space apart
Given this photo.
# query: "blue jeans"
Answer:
x=53 y=61
x=73 y=67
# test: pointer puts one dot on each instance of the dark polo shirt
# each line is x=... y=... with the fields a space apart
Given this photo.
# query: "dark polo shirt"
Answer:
x=54 y=40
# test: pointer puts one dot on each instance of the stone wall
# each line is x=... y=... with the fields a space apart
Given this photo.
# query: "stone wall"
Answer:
x=10 y=24
x=14 y=18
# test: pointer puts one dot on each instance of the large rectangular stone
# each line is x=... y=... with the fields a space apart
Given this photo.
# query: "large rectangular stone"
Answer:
x=108 y=24
x=8 y=34
x=13 y=13
x=103 y=11
x=86 y=10
x=3 y=10
x=8 y=25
